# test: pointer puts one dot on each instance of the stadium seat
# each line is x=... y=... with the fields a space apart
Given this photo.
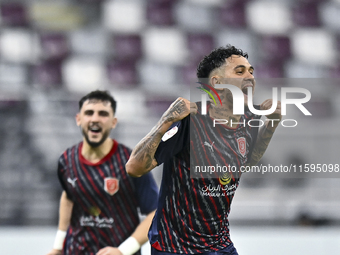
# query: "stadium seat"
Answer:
x=240 y=38
x=156 y=76
x=82 y=74
x=18 y=45
x=48 y=74
x=208 y=3
x=123 y=16
x=122 y=73
x=89 y=41
x=54 y=46
x=188 y=74
x=269 y=69
x=329 y=15
x=305 y=41
x=299 y=69
x=158 y=105
x=276 y=47
x=91 y=1
x=127 y=46
x=306 y=14
x=160 y=13
x=269 y=17
x=192 y=17
x=167 y=45
x=13 y=76
x=13 y=14
x=56 y=15
x=199 y=45
x=232 y=13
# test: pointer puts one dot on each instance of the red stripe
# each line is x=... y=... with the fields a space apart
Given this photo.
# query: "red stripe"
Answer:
x=169 y=234
x=187 y=209
x=212 y=200
x=84 y=193
x=198 y=203
x=224 y=161
x=115 y=202
x=162 y=238
x=128 y=186
x=104 y=234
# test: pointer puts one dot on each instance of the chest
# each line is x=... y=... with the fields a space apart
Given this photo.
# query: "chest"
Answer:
x=97 y=181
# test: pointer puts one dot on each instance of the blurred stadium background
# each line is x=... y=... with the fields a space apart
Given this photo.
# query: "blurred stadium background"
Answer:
x=146 y=52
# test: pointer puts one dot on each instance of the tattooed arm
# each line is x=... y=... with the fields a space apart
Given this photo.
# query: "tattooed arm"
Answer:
x=266 y=131
x=142 y=158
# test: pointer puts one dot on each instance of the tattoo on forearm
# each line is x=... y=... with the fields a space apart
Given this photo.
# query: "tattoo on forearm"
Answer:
x=145 y=150
x=261 y=145
x=175 y=111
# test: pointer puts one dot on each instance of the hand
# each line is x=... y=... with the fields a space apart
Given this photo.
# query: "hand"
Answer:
x=55 y=252
x=267 y=104
x=179 y=109
x=276 y=116
x=109 y=251
x=193 y=108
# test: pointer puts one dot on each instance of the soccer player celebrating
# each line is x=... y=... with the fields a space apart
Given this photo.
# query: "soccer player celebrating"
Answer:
x=99 y=204
x=192 y=213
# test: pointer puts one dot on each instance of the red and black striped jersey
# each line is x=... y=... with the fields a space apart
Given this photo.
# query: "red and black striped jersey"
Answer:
x=193 y=209
x=106 y=199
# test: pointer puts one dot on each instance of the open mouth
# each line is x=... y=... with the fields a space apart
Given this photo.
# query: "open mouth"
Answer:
x=95 y=129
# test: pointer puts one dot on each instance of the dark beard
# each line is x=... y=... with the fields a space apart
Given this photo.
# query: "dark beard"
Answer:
x=95 y=144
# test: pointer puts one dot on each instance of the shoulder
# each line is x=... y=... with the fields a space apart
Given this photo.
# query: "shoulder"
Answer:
x=73 y=148
x=69 y=152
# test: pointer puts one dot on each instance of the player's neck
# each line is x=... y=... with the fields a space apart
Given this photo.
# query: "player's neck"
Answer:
x=225 y=113
x=94 y=155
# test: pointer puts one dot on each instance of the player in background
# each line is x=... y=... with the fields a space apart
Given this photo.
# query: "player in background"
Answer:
x=192 y=213
x=99 y=204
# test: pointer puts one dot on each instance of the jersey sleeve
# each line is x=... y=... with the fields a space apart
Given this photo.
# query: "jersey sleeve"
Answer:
x=62 y=177
x=173 y=141
x=146 y=193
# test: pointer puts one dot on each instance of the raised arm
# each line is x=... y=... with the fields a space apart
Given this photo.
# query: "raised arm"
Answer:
x=142 y=159
x=266 y=131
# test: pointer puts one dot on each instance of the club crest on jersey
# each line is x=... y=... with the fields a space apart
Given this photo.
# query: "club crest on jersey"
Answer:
x=111 y=185
x=241 y=143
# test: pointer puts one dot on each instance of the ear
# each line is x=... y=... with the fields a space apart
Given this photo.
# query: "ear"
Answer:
x=215 y=79
x=78 y=119
x=114 y=122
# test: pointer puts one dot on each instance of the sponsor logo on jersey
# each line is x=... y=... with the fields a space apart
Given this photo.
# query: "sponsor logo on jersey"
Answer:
x=225 y=179
x=210 y=146
x=94 y=210
x=111 y=185
x=72 y=181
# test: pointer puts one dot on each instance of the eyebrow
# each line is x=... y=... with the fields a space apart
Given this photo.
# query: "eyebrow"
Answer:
x=243 y=66
x=100 y=112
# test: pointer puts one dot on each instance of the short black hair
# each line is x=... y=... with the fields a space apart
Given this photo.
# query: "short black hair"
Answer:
x=100 y=95
x=216 y=59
